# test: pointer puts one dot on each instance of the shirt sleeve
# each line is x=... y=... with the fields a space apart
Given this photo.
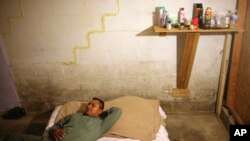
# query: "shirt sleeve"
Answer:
x=113 y=114
x=60 y=123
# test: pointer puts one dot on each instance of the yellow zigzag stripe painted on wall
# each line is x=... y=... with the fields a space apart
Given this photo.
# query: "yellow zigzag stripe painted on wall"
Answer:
x=103 y=28
x=76 y=48
x=15 y=17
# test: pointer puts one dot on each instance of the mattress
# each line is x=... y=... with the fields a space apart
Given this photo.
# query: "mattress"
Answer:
x=162 y=134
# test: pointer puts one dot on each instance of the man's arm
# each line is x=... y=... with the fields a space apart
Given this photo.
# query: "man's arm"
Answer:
x=113 y=114
x=57 y=131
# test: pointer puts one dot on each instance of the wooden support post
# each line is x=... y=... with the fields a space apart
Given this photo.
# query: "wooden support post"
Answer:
x=187 y=59
x=234 y=67
x=237 y=45
x=223 y=72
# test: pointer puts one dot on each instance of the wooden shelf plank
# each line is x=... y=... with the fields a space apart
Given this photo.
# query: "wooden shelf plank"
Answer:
x=159 y=29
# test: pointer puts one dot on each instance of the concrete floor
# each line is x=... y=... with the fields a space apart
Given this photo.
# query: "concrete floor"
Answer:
x=31 y=123
x=181 y=127
x=196 y=127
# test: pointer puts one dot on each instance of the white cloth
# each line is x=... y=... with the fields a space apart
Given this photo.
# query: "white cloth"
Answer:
x=8 y=93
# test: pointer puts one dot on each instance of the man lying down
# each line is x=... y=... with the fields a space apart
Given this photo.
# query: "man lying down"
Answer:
x=88 y=126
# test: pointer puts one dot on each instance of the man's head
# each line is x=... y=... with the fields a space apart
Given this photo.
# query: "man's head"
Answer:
x=95 y=107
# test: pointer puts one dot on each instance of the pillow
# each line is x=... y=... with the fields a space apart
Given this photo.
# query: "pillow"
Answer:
x=140 y=117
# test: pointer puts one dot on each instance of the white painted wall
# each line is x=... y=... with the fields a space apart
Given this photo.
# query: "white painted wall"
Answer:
x=126 y=58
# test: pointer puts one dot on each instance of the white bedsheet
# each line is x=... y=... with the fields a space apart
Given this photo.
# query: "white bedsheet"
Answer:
x=162 y=134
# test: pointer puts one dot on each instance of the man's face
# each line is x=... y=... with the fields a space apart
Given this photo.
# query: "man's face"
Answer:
x=93 y=108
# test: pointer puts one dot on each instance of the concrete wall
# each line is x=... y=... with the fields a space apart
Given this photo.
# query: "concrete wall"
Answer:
x=62 y=50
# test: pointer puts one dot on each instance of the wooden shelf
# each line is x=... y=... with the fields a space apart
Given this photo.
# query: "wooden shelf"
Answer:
x=159 y=29
x=232 y=44
x=189 y=51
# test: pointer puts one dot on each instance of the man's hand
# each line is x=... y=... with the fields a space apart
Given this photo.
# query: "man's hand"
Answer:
x=58 y=133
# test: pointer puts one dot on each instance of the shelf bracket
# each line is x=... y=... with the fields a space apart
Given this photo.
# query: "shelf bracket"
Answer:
x=189 y=51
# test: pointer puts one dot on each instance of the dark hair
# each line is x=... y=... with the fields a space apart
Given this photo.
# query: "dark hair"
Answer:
x=101 y=106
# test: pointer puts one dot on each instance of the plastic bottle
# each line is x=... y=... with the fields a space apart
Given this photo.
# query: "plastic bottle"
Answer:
x=233 y=19
x=195 y=22
x=169 y=26
x=227 y=19
x=182 y=16
x=164 y=19
x=160 y=14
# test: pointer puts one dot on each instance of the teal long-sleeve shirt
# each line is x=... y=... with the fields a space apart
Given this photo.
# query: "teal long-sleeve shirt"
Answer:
x=81 y=127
